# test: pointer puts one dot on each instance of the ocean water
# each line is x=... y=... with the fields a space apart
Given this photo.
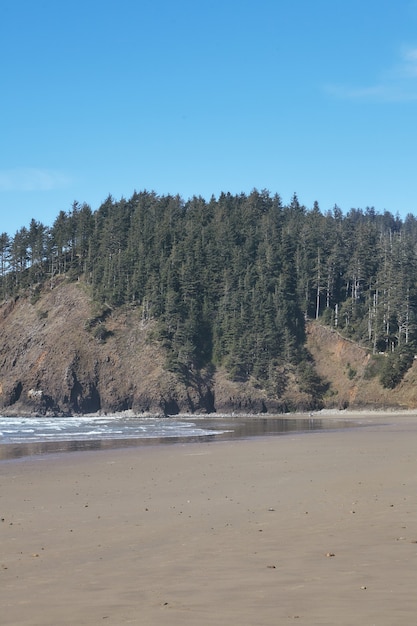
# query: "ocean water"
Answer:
x=27 y=436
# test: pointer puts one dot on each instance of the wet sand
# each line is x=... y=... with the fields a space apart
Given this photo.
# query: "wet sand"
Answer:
x=317 y=528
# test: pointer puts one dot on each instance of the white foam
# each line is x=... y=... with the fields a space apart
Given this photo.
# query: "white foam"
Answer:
x=26 y=429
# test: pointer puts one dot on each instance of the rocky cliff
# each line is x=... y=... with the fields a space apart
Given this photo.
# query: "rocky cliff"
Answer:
x=60 y=355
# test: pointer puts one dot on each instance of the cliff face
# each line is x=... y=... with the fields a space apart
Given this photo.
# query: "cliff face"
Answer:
x=59 y=356
x=347 y=367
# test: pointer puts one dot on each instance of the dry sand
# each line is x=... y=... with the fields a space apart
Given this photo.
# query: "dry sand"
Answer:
x=308 y=529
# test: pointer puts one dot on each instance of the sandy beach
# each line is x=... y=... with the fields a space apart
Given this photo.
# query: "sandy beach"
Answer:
x=317 y=528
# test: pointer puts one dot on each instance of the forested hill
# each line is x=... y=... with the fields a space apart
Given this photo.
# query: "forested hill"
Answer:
x=227 y=285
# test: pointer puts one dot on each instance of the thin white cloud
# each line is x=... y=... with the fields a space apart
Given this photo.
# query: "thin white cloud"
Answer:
x=409 y=65
x=398 y=84
x=32 y=179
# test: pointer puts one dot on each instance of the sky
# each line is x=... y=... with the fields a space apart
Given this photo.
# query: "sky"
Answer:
x=196 y=97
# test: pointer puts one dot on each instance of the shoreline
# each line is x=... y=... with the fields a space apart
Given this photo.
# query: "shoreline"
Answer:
x=229 y=427
x=318 y=527
x=394 y=410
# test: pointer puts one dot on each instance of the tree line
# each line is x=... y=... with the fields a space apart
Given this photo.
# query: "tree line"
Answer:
x=231 y=281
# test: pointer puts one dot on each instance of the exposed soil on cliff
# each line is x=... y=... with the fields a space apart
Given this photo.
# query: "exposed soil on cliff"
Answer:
x=348 y=368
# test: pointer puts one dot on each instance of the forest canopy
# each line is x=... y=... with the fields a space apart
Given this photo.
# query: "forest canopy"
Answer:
x=231 y=281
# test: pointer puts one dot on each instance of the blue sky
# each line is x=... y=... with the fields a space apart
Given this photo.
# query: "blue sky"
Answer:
x=195 y=97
